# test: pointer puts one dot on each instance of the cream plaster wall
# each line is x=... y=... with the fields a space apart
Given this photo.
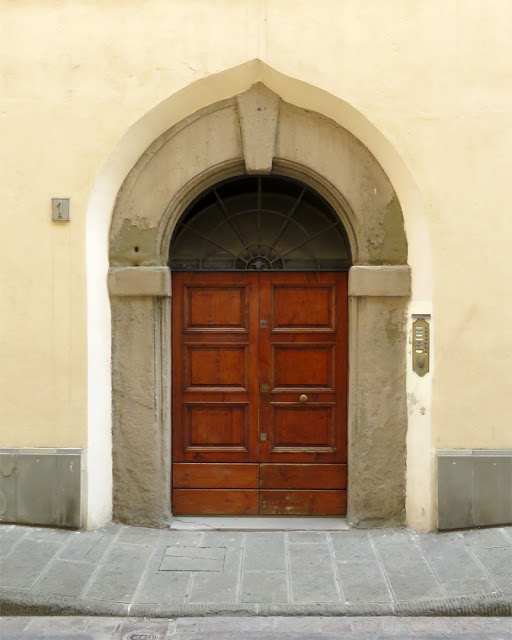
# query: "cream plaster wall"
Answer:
x=428 y=88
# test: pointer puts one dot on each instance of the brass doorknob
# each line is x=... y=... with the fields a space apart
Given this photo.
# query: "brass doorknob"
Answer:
x=303 y=398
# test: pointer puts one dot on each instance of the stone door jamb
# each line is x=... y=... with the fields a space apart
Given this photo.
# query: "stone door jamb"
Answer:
x=144 y=297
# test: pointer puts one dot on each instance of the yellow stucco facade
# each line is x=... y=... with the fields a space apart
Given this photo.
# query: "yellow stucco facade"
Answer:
x=87 y=86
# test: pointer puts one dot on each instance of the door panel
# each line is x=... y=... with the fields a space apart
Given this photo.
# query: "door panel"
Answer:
x=303 y=503
x=307 y=306
x=215 y=476
x=259 y=393
x=303 y=476
x=308 y=366
x=215 y=367
x=222 y=366
x=303 y=360
x=298 y=428
x=214 y=502
x=211 y=308
x=220 y=426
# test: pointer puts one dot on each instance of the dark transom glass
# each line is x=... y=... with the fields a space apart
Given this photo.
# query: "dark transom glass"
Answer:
x=260 y=223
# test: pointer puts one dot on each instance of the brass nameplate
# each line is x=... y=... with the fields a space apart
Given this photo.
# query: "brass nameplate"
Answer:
x=420 y=346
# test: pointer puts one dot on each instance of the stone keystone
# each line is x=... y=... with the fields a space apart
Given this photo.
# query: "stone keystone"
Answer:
x=258 y=109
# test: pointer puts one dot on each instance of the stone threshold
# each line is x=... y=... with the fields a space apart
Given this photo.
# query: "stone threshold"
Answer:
x=256 y=523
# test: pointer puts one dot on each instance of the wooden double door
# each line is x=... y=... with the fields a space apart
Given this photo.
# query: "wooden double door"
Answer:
x=259 y=393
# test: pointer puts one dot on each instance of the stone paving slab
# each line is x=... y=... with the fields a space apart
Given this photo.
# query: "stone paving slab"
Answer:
x=363 y=582
x=117 y=578
x=312 y=574
x=65 y=578
x=119 y=570
x=223 y=586
x=184 y=558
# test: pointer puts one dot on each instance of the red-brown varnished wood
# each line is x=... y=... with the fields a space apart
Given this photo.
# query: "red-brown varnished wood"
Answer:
x=235 y=379
x=303 y=503
x=219 y=366
x=215 y=502
x=215 y=302
x=302 y=301
x=215 y=476
x=215 y=367
x=303 y=352
x=290 y=361
x=303 y=476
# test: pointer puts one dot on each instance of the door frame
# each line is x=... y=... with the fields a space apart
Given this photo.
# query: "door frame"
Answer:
x=141 y=298
x=141 y=320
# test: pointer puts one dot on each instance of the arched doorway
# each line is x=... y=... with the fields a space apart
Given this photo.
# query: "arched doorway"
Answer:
x=260 y=309
x=257 y=133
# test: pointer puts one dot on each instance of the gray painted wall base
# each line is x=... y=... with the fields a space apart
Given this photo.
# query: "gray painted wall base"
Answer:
x=41 y=486
x=474 y=488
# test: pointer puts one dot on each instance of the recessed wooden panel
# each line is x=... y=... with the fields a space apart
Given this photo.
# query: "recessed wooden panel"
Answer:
x=216 y=425
x=303 y=366
x=213 y=366
x=303 y=503
x=303 y=427
x=215 y=476
x=303 y=476
x=215 y=308
x=305 y=307
x=214 y=502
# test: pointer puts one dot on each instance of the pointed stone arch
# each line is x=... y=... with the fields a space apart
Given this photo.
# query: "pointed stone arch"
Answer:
x=257 y=132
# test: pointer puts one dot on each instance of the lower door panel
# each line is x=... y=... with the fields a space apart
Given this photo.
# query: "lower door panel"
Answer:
x=268 y=489
x=214 y=502
x=302 y=503
x=303 y=476
x=215 y=476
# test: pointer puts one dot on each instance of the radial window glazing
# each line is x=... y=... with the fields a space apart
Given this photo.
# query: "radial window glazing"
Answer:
x=259 y=223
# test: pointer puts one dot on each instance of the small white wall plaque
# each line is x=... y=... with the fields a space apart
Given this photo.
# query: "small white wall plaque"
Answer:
x=60 y=209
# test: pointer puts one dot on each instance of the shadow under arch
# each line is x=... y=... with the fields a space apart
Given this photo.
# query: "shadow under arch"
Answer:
x=130 y=147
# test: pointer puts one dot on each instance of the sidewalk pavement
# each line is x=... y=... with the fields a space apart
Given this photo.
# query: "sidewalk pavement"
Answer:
x=131 y=571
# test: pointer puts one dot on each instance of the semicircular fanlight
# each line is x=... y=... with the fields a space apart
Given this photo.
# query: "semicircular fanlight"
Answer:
x=261 y=223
